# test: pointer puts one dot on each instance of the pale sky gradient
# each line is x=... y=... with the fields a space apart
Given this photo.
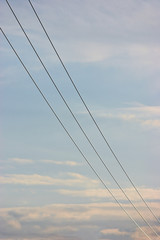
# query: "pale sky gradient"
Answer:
x=112 y=51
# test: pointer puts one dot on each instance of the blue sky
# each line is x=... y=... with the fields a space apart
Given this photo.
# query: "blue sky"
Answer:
x=112 y=51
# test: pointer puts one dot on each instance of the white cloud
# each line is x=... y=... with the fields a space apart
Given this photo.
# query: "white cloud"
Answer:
x=30 y=161
x=22 y=160
x=148 y=116
x=144 y=109
x=67 y=163
x=36 y=179
x=113 y=231
x=151 y=123
x=147 y=193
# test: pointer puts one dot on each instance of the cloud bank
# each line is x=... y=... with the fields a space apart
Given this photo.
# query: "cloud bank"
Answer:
x=71 y=221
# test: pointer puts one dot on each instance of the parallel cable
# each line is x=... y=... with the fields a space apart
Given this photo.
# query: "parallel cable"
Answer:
x=88 y=110
x=79 y=123
x=71 y=138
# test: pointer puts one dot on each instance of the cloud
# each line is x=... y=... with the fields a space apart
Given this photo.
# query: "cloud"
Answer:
x=30 y=161
x=113 y=231
x=22 y=160
x=67 y=163
x=149 y=110
x=64 y=229
x=70 y=221
x=129 y=37
x=151 y=123
x=147 y=116
x=138 y=234
x=14 y=224
x=36 y=179
x=147 y=193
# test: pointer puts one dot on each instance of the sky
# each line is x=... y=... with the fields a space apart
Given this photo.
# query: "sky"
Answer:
x=112 y=51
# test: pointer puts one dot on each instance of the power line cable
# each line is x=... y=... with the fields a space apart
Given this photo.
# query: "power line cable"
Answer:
x=88 y=110
x=71 y=138
x=79 y=123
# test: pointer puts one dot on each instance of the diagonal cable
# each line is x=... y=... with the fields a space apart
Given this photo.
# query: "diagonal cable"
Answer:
x=96 y=124
x=71 y=138
x=79 y=123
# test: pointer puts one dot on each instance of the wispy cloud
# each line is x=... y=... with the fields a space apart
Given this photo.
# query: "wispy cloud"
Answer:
x=122 y=40
x=114 y=231
x=147 y=193
x=65 y=163
x=46 y=161
x=147 y=116
x=70 y=179
x=22 y=160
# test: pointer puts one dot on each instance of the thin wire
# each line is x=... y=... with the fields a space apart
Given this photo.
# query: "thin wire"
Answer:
x=67 y=132
x=100 y=131
x=79 y=123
